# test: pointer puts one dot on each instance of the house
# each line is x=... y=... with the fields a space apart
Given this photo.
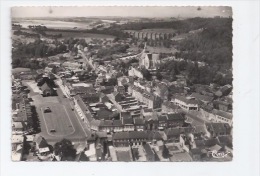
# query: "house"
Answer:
x=90 y=97
x=146 y=112
x=172 y=134
x=162 y=122
x=41 y=145
x=222 y=105
x=82 y=109
x=120 y=89
x=17 y=147
x=222 y=116
x=135 y=72
x=121 y=139
x=91 y=152
x=17 y=140
x=125 y=115
x=154 y=136
x=77 y=90
x=175 y=120
x=118 y=97
x=18 y=126
x=128 y=124
x=161 y=90
x=99 y=80
x=106 y=89
x=104 y=114
x=146 y=97
x=139 y=124
x=106 y=126
x=47 y=90
x=138 y=137
x=118 y=126
x=94 y=125
x=186 y=103
x=124 y=139
x=202 y=98
x=149 y=61
x=218 y=129
x=168 y=106
x=151 y=121
x=103 y=98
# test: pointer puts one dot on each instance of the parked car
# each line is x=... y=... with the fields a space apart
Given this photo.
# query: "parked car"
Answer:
x=52 y=130
x=47 y=109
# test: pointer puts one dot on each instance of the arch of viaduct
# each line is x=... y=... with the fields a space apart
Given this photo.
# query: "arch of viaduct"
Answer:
x=150 y=35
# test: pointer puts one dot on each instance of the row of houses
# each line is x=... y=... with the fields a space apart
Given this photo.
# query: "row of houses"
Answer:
x=146 y=122
x=148 y=98
x=216 y=115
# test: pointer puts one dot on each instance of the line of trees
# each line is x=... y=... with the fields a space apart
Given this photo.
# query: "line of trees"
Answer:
x=180 y=26
x=213 y=45
x=112 y=50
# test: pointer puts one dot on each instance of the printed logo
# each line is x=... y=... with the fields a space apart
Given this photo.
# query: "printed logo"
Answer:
x=217 y=154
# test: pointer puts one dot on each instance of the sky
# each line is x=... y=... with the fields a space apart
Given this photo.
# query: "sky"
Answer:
x=123 y=11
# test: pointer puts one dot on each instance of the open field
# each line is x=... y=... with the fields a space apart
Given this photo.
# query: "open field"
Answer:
x=58 y=119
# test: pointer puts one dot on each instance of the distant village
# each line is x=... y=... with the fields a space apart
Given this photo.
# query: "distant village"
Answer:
x=77 y=108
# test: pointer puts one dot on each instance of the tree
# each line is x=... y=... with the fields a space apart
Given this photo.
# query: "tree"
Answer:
x=110 y=82
x=65 y=150
x=147 y=75
x=165 y=152
x=136 y=153
x=159 y=75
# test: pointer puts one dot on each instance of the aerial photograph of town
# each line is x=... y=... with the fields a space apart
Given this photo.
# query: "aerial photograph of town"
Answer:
x=122 y=84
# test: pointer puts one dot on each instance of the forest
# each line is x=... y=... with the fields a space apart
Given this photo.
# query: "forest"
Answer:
x=213 y=45
x=23 y=52
x=180 y=26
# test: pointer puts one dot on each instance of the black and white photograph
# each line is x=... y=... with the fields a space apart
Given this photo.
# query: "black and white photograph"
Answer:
x=122 y=84
x=129 y=88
